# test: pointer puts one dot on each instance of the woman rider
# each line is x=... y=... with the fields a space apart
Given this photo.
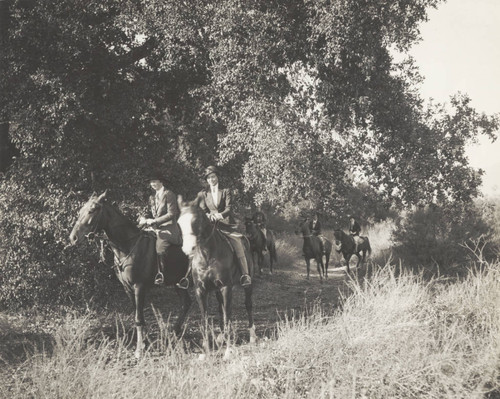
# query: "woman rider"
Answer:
x=216 y=202
x=354 y=230
x=162 y=218
x=315 y=228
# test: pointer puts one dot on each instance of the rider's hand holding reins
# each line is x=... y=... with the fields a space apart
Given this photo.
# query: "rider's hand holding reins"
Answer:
x=214 y=217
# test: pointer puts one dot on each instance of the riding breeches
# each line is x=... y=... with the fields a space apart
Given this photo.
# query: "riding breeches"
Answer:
x=235 y=239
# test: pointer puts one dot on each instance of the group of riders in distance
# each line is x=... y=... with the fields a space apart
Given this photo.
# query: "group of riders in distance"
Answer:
x=215 y=201
x=180 y=242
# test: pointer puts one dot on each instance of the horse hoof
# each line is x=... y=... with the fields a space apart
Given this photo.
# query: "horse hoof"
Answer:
x=202 y=357
x=138 y=354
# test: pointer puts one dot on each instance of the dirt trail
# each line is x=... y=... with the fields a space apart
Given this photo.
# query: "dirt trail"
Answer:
x=274 y=296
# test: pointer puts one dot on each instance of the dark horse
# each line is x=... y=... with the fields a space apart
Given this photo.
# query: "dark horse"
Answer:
x=214 y=264
x=312 y=250
x=135 y=259
x=346 y=245
x=258 y=243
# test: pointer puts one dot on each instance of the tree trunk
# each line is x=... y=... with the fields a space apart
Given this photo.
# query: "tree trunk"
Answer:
x=6 y=147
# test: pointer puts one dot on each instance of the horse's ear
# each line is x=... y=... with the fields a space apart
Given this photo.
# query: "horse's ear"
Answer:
x=197 y=200
x=102 y=196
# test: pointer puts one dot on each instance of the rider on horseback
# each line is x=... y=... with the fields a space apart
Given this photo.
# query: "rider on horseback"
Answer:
x=259 y=218
x=354 y=230
x=162 y=218
x=315 y=228
x=216 y=202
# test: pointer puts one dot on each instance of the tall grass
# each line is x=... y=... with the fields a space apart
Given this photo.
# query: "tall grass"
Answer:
x=396 y=336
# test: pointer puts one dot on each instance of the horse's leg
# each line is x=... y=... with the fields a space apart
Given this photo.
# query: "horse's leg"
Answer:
x=202 y=299
x=319 y=265
x=359 y=259
x=139 y=296
x=220 y=301
x=270 y=250
x=308 y=267
x=347 y=260
x=226 y=297
x=327 y=257
x=256 y=255
x=249 y=308
x=261 y=261
x=185 y=305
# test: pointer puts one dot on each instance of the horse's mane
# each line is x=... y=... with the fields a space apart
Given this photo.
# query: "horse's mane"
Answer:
x=113 y=207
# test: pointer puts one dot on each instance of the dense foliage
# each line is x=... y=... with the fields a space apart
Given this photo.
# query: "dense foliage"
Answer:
x=297 y=99
x=442 y=238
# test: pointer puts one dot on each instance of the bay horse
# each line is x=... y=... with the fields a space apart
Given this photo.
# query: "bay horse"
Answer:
x=258 y=243
x=135 y=259
x=214 y=265
x=347 y=246
x=312 y=250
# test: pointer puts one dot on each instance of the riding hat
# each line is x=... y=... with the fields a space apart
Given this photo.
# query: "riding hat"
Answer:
x=157 y=176
x=211 y=169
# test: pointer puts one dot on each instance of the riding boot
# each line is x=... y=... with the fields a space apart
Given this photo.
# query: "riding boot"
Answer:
x=245 y=279
x=159 y=279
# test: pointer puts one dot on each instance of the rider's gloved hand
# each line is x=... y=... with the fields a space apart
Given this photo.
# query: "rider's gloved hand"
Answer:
x=218 y=216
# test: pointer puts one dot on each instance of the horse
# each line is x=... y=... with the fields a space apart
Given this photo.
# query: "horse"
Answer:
x=258 y=243
x=347 y=246
x=214 y=265
x=312 y=250
x=135 y=259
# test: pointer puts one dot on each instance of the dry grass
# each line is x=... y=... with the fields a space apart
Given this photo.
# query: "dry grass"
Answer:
x=395 y=337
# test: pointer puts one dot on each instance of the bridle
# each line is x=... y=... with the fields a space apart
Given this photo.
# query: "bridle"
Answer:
x=93 y=236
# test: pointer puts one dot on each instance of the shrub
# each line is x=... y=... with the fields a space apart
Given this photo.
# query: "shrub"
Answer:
x=440 y=236
x=36 y=268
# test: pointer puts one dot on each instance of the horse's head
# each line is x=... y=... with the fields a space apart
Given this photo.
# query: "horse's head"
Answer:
x=258 y=217
x=339 y=236
x=90 y=218
x=193 y=223
x=303 y=228
x=249 y=224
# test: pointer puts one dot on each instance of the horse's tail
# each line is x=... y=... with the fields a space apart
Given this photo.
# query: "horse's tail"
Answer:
x=368 y=246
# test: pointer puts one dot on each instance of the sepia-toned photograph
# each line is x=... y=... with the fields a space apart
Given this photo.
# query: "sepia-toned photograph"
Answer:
x=250 y=199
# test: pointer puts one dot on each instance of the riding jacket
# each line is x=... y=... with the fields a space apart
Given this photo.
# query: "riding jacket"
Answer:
x=315 y=227
x=220 y=205
x=354 y=228
x=165 y=211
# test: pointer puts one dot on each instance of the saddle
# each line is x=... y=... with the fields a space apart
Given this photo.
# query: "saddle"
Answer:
x=171 y=234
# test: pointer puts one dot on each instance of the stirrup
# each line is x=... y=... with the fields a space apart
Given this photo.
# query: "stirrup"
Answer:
x=183 y=283
x=245 y=280
x=159 y=279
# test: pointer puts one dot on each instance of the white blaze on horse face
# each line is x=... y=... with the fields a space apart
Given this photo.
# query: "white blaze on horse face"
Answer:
x=81 y=226
x=188 y=237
